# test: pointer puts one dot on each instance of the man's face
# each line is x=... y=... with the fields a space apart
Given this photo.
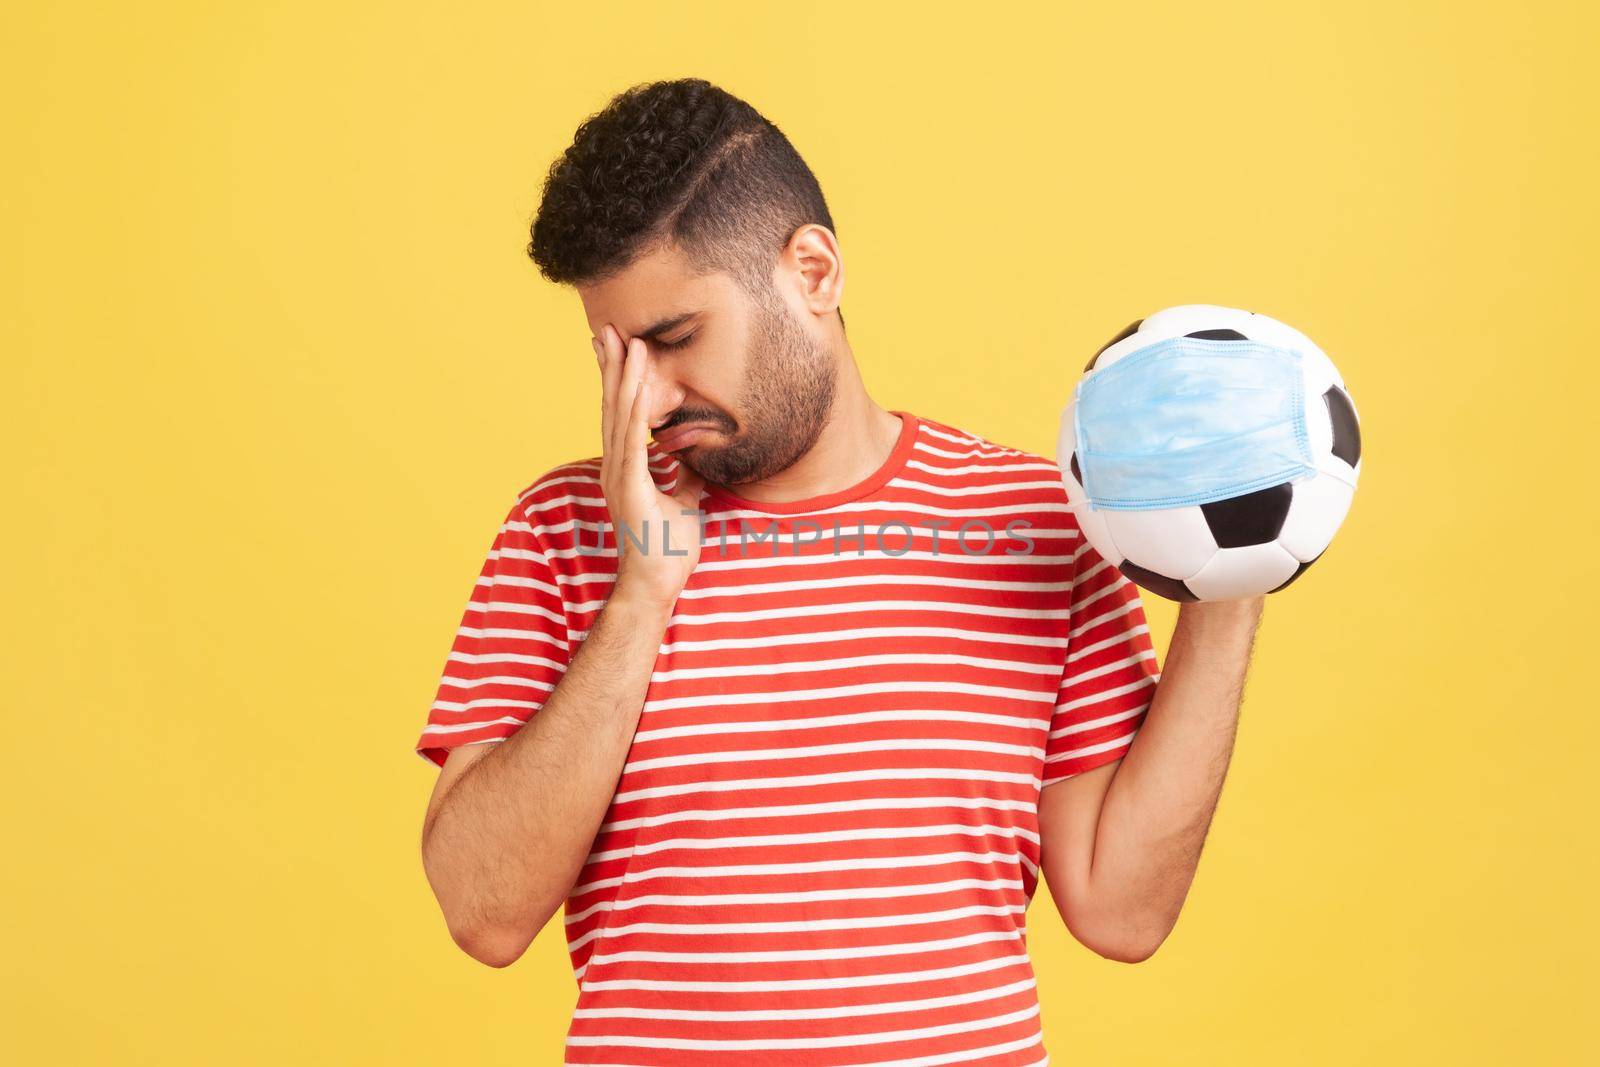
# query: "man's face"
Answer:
x=742 y=385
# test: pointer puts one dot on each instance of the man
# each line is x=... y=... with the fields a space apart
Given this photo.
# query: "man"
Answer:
x=791 y=706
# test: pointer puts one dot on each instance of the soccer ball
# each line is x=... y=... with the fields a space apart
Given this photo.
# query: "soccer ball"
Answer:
x=1255 y=543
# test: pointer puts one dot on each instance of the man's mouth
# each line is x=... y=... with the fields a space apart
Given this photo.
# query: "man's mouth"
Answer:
x=680 y=437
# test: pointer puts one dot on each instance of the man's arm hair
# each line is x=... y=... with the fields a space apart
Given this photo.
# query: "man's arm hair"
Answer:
x=510 y=825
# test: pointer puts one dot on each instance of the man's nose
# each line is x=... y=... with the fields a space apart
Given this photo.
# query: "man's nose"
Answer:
x=668 y=398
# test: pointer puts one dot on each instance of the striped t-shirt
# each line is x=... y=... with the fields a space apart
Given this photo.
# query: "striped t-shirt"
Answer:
x=825 y=838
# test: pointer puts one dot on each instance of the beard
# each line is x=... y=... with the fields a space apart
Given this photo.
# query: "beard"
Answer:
x=784 y=403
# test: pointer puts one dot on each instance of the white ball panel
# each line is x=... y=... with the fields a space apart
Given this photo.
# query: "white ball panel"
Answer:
x=1242 y=572
x=1093 y=525
x=1277 y=332
x=1189 y=318
x=1333 y=467
x=1175 y=542
x=1066 y=441
x=1341 y=472
x=1319 y=506
x=1319 y=422
x=1075 y=493
x=1351 y=397
x=1320 y=372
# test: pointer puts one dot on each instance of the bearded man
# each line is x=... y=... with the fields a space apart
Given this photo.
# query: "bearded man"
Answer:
x=786 y=698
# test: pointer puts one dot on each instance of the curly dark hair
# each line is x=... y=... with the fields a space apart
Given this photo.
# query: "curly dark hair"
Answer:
x=680 y=161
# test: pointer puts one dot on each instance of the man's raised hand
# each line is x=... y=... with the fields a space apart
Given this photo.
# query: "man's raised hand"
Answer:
x=642 y=515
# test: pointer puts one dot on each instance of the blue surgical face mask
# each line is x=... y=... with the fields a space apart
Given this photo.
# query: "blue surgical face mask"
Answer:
x=1188 y=420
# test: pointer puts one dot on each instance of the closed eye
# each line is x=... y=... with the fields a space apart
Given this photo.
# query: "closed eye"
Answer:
x=680 y=342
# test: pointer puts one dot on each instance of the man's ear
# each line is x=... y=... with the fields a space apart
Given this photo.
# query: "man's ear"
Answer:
x=813 y=262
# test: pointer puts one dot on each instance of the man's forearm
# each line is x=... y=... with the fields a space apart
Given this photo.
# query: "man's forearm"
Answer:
x=1161 y=799
x=510 y=838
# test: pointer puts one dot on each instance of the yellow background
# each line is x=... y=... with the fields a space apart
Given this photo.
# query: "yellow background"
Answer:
x=275 y=366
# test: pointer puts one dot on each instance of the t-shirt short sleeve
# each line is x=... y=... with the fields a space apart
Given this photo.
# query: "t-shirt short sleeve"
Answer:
x=510 y=651
x=1110 y=675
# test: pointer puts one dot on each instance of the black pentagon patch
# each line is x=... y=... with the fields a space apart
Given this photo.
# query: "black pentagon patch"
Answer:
x=1346 y=430
x=1252 y=519
x=1218 y=335
x=1159 y=584
x=1298 y=571
x=1127 y=332
x=1076 y=473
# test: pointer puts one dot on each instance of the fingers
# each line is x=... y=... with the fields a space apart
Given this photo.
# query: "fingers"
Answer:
x=607 y=348
x=689 y=485
x=637 y=377
x=631 y=374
